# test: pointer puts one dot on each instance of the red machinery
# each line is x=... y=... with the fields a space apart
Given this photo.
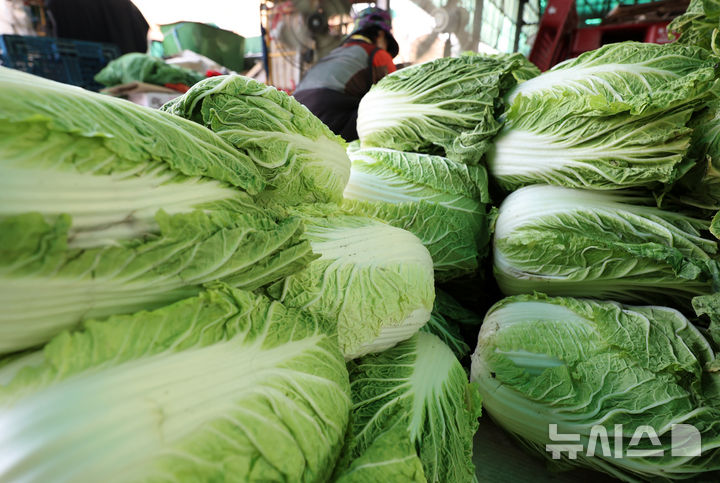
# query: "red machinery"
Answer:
x=559 y=37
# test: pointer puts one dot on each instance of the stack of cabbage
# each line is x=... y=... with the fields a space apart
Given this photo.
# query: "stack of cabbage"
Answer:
x=182 y=300
x=423 y=131
x=591 y=149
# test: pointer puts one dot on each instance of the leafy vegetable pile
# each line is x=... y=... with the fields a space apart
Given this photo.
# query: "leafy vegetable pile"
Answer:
x=608 y=168
x=225 y=290
x=184 y=298
x=137 y=67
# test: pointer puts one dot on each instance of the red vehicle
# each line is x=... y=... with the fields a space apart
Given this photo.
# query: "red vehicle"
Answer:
x=560 y=38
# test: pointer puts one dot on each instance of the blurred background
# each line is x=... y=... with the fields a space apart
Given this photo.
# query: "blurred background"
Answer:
x=277 y=42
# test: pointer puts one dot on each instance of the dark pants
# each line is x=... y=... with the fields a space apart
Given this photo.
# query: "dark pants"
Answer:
x=336 y=109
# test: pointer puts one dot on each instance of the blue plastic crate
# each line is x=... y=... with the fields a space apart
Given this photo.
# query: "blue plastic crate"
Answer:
x=69 y=61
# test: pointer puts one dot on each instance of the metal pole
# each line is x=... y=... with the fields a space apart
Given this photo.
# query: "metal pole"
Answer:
x=519 y=24
x=477 y=24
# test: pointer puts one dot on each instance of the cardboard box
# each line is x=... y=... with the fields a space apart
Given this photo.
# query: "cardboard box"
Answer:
x=151 y=99
x=148 y=95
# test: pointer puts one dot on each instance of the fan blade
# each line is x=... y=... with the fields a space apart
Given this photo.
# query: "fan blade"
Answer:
x=425 y=43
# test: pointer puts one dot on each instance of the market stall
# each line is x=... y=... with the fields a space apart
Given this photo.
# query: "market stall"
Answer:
x=512 y=275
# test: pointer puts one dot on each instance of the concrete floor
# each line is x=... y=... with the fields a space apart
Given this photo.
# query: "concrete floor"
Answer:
x=499 y=458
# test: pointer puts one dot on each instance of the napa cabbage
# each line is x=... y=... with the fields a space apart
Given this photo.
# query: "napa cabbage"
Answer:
x=615 y=117
x=375 y=280
x=416 y=392
x=47 y=286
x=600 y=368
x=442 y=202
x=563 y=241
x=298 y=156
x=109 y=164
x=224 y=385
x=448 y=106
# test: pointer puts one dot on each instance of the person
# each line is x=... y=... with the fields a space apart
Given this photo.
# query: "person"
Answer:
x=333 y=87
x=117 y=22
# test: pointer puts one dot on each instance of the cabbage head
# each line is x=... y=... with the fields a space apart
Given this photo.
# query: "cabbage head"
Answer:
x=109 y=164
x=449 y=107
x=374 y=280
x=225 y=385
x=47 y=286
x=603 y=244
x=612 y=118
x=442 y=202
x=298 y=156
x=594 y=369
x=417 y=397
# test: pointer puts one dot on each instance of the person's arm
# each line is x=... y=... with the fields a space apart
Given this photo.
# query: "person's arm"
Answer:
x=382 y=65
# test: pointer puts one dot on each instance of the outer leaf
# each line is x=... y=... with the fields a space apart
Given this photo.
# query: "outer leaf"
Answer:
x=375 y=280
x=525 y=70
x=581 y=363
x=391 y=457
x=131 y=133
x=452 y=309
x=631 y=74
x=700 y=188
x=444 y=322
x=418 y=389
x=599 y=244
x=299 y=157
x=449 y=333
x=715 y=225
x=224 y=385
x=46 y=287
x=697 y=25
x=709 y=305
x=447 y=106
x=548 y=142
x=440 y=201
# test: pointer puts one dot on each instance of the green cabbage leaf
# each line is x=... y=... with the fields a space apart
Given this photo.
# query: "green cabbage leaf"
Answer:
x=698 y=25
x=298 y=156
x=442 y=202
x=416 y=391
